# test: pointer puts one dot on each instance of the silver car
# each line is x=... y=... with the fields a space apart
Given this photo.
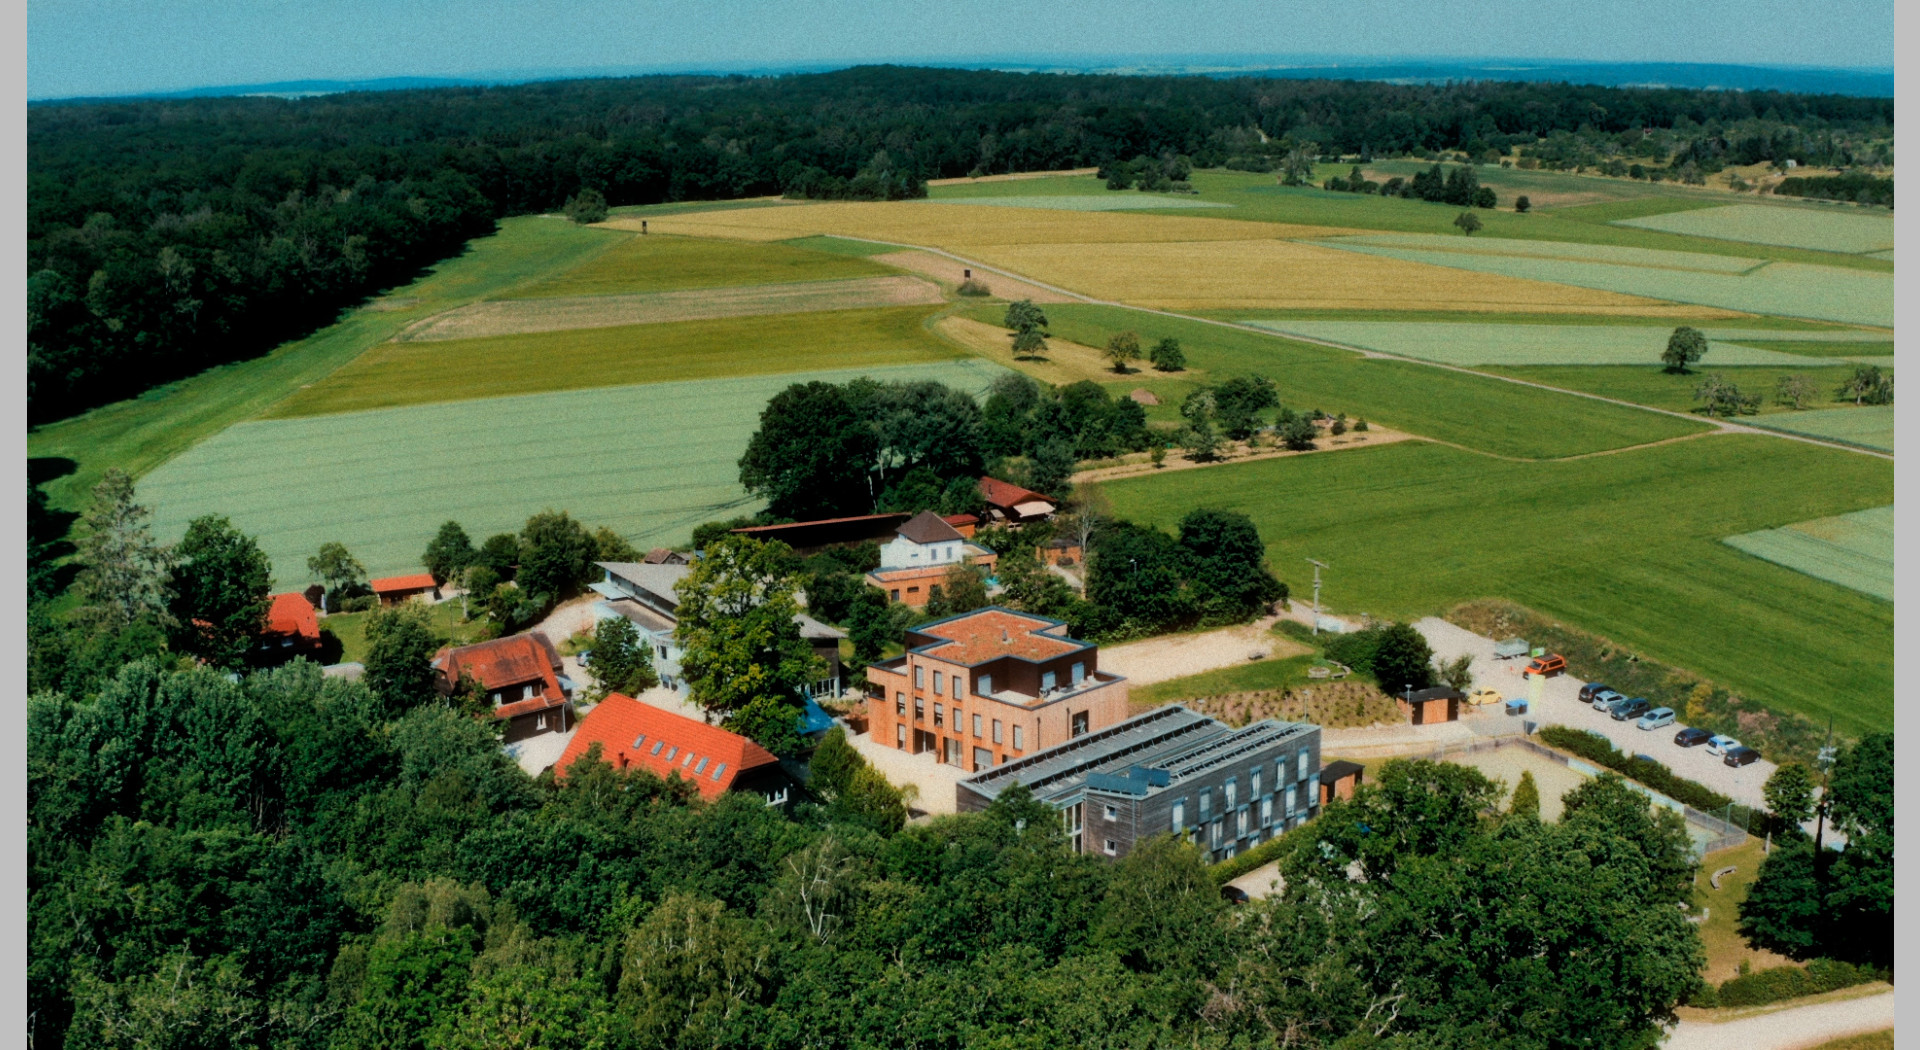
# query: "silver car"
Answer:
x=1606 y=698
x=1656 y=718
x=1720 y=745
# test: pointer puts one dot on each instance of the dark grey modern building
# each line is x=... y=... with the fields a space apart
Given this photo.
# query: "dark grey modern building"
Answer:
x=1170 y=769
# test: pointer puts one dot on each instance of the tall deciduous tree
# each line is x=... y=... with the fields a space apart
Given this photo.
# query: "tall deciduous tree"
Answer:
x=399 y=661
x=1226 y=562
x=962 y=589
x=1122 y=348
x=1789 y=793
x=737 y=628
x=1402 y=660
x=337 y=569
x=622 y=659
x=1684 y=347
x=126 y=573
x=449 y=553
x=1167 y=356
x=220 y=591
x=556 y=556
x=812 y=455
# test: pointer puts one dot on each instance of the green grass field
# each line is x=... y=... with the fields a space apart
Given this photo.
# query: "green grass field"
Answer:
x=1513 y=344
x=458 y=369
x=1869 y=426
x=840 y=246
x=139 y=434
x=1864 y=348
x=1821 y=293
x=1478 y=412
x=1650 y=385
x=351 y=629
x=1627 y=546
x=661 y=263
x=650 y=462
x=1287 y=673
x=1826 y=230
x=1853 y=550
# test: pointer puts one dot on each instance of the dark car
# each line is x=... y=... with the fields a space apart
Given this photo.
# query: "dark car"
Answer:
x=1590 y=690
x=1234 y=895
x=1630 y=709
x=1741 y=756
x=1692 y=737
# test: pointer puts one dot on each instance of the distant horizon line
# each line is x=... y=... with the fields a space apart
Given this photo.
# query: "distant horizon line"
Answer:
x=1118 y=64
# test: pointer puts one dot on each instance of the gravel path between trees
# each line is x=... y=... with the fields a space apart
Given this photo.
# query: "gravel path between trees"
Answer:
x=1794 y=1028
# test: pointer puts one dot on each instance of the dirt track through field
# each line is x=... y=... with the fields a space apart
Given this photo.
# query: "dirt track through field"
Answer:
x=526 y=316
x=950 y=271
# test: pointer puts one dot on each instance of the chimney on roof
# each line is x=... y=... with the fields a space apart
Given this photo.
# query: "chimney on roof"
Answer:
x=1003 y=635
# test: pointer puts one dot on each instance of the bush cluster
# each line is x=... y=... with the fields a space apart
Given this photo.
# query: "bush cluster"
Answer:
x=1852 y=186
x=1780 y=983
x=1597 y=750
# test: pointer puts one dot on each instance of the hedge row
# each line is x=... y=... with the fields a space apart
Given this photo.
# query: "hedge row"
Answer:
x=1600 y=751
x=1785 y=982
x=1228 y=870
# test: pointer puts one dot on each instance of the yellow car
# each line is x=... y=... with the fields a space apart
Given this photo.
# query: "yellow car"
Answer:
x=1485 y=696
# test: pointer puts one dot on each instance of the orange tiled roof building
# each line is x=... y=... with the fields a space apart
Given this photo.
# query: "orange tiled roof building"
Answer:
x=636 y=735
x=521 y=675
x=984 y=687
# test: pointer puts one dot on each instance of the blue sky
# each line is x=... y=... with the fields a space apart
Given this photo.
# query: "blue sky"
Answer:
x=118 y=46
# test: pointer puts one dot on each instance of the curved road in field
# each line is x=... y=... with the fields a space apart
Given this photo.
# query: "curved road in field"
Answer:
x=1723 y=426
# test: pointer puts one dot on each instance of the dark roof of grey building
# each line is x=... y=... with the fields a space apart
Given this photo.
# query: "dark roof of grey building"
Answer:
x=1438 y=692
x=1341 y=768
x=1139 y=756
x=656 y=579
x=928 y=527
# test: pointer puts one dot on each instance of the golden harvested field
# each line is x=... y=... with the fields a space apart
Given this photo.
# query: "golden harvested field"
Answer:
x=522 y=316
x=951 y=273
x=1064 y=362
x=1284 y=275
x=952 y=226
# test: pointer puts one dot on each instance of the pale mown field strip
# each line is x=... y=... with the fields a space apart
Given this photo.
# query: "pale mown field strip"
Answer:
x=649 y=461
x=524 y=316
x=951 y=272
x=1830 y=231
x=1853 y=550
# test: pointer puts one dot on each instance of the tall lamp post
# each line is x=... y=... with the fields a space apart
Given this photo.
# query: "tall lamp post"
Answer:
x=1317 y=566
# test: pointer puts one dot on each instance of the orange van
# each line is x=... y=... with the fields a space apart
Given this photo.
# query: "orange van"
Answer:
x=1547 y=666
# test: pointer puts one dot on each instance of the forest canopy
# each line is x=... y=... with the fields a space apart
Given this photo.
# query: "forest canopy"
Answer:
x=165 y=236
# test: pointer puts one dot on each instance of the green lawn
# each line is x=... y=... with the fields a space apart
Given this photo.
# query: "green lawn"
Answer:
x=648 y=461
x=1824 y=348
x=1627 y=546
x=661 y=263
x=1869 y=426
x=139 y=434
x=1287 y=673
x=1653 y=386
x=1822 y=229
x=351 y=629
x=460 y=369
x=1476 y=411
x=841 y=246
x=1853 y=550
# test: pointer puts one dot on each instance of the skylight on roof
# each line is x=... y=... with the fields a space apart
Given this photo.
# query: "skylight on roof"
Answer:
x=702 y=767
x=687 y=761
x=719 y=770
x=639 y=740
x=657 y=745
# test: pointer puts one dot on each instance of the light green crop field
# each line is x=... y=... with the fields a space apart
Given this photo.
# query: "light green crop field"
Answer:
x=1853 y=550
x=660 y=263
x=1887 y=255
x=1114 y=200
x=1479 y=412
x=1865 y=348
x=1817 y=228
x=1792 y=289
x=138 y=434
x=1602 y=253
x=1627 y=546
x=841 y=246
x=1869 y=426
x=1513 y=344
x=650 y=462
x=1652 y=386
x=456 y=369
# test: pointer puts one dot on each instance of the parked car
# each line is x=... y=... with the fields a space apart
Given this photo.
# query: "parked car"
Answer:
x=1606 y=698
x=1658 y=718
x=1234 y=895
x=1741 y=756
x=1547 y=666
x=1692 y=737
x=1627 y=709
x=1720 y=745
x=1591 y=690
x=1482 y=697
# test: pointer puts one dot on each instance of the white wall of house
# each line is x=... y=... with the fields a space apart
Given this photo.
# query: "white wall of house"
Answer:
x=903 y=553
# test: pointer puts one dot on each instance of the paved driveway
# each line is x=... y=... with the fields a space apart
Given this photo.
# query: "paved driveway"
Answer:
x=1556 y=701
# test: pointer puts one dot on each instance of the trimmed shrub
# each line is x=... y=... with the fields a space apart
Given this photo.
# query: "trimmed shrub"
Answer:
x=1780 y=983
x=1598 y=750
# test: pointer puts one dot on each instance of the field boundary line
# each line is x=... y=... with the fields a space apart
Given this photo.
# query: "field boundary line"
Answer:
x=1723 y=426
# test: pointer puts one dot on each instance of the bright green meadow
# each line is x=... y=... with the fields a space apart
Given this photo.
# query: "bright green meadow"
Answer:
x=539 y=362
x=1821 y=229
x=1627 y=546
x=660 y=263
x=1515 y=344
x=649 y=461
x=1654 y=387
x=1853 y=550
x=1869 y=426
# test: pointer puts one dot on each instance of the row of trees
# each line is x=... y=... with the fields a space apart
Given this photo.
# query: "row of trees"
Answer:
x=1459 y=187
x=517 y=578
x=165 y=236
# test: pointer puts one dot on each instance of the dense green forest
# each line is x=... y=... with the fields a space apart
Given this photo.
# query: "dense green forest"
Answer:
x=165 y=236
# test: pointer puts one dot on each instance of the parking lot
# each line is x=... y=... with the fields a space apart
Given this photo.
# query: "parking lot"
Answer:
x=1559 y=703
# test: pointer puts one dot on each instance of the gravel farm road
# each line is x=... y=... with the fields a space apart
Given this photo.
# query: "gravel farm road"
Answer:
x=1794 y=1028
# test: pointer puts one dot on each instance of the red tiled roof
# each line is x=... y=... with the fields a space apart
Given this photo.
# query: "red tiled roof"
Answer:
x=528 y=707
x=1006 y=494
x=420 y=581
x=291 y=614
x=631 y=734
x=504 y=662
x=960 y=521
x=991 y=633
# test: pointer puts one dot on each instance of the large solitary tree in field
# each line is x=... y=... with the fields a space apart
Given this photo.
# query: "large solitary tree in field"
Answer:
x=1684 y=347
x=812 y=455
x=1468 y=222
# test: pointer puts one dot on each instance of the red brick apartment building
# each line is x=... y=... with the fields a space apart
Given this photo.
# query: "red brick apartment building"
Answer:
x=985 y=687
